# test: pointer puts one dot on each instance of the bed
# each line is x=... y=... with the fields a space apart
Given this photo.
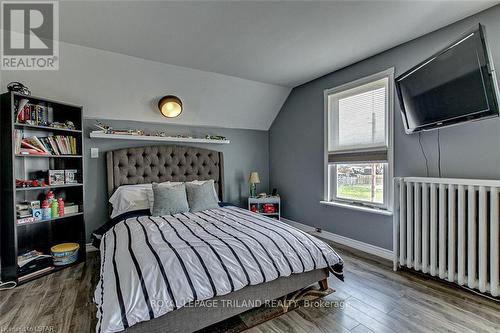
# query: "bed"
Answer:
x=183 y=272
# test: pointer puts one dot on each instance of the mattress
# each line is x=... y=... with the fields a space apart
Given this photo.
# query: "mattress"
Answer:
x=151 y=266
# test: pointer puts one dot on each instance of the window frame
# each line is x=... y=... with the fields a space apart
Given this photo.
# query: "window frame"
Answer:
x=330 y=196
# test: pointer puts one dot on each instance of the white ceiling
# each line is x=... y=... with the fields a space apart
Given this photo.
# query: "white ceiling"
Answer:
x=284 y=42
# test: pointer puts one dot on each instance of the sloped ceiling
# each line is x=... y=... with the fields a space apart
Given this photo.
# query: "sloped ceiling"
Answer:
x=279 y=42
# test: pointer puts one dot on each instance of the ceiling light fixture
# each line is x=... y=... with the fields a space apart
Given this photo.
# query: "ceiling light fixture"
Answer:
x=170 y=106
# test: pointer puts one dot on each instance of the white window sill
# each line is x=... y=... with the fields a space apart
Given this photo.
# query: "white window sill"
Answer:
x=358 y=208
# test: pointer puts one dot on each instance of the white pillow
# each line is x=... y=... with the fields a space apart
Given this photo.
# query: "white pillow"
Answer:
x=130 y=197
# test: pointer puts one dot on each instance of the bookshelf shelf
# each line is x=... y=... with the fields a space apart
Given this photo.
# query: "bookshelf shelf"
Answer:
x=259 y=204
x=51 y=220
x=50 y=187
x=48 y=128
x=55 y=269
x=49 y=156
x=17 y=239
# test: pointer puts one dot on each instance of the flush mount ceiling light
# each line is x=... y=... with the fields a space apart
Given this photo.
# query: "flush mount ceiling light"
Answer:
x=170 y=106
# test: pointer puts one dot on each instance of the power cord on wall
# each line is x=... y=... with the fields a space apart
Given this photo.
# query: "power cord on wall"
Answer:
x=423 y=153
x=439 y=153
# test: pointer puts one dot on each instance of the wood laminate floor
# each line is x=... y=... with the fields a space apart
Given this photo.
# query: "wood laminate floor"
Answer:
x=373 y=298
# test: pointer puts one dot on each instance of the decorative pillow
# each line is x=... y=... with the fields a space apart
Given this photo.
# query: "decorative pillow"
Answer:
x=151 y=197
x=211 y=181
x=169 y=200
x=201 y=196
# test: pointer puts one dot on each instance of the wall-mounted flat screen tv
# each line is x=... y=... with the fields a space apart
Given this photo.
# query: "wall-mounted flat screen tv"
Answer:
x=455 y=85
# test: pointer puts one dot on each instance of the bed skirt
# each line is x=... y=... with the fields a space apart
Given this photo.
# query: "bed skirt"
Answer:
x=192 y=318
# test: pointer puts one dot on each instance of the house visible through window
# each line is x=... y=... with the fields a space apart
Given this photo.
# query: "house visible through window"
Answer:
x=359 y=144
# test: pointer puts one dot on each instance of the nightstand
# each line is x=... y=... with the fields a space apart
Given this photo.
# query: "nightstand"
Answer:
x=269 y=206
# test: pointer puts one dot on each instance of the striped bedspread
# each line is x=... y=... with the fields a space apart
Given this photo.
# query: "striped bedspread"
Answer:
x=153 y=265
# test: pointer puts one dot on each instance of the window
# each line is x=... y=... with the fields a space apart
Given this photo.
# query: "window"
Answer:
x=358 y=168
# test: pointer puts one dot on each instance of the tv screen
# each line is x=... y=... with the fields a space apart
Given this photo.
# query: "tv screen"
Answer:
x=455 y=85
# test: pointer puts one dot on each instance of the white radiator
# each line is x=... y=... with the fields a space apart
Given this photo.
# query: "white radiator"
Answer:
x=449 y=228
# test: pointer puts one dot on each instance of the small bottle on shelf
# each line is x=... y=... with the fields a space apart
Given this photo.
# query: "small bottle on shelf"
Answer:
x=46 y=211
x=60 y=207
x=53 y=209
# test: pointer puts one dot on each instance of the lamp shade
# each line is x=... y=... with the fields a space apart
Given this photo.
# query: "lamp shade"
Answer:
x=254 y=178
x=170 y=106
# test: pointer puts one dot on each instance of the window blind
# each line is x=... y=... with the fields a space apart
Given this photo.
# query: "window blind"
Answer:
x=358 y=124
x=378 y=156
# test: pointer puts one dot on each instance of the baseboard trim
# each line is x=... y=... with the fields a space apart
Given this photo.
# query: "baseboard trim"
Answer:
x=355 y=244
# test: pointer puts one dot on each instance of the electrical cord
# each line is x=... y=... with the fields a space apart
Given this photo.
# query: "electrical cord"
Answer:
x=7 y=285
x=439 y=153
x=423 y=153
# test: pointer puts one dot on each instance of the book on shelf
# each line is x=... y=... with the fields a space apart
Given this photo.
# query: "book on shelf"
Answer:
x=24 y=151
x=18 y=138
x=71 y=209
x=27 y=220
x=32 y=114
x=27 y=145
x=50 y=145
x=35 y=273
x=30 y=256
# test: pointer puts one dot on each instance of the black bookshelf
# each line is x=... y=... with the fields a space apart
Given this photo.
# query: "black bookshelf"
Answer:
x=15 y=238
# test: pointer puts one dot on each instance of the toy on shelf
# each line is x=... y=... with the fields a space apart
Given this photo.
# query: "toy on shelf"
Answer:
x=23 y=183
x=103 y=127
x=54 y=212
x=50 y=208
x=269 y=208
x=60 y=207
x=56 y=177
x=215 y=137
x=68 y=124
x=266 y=204
x=46 y=213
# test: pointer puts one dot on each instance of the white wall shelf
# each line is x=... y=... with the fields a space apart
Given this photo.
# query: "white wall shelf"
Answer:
x=101 y=135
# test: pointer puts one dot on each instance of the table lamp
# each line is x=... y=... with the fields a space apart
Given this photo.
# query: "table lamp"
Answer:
x=253 y=180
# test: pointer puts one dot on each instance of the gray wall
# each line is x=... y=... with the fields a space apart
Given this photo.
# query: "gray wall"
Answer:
x=296 y=139
x=248 y=151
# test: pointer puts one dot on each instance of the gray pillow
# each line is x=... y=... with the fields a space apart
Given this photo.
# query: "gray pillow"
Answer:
x=201 y=196
x=169 y=200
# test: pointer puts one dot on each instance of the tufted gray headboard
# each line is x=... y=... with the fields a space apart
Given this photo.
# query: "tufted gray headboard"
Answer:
x=144 y=165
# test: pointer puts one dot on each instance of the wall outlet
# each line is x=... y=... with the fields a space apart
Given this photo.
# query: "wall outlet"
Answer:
x=94 y=152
